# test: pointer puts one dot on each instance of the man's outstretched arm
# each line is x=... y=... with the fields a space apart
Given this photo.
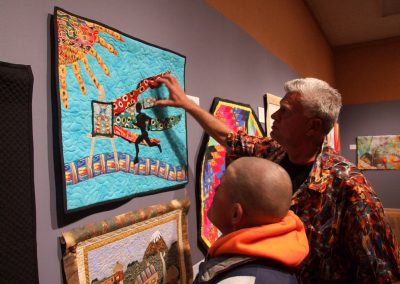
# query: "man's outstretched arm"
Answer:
x=177 y=98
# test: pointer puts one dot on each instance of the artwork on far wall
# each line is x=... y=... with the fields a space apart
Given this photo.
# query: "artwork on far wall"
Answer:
x=149 y=245
x=211 y=161
x=113 y=142
x=378 y=152
x=333 y=138
x=271 y=105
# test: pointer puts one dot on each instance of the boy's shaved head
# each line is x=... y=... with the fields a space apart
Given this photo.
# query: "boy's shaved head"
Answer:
x=262 y=187
x=252 y=192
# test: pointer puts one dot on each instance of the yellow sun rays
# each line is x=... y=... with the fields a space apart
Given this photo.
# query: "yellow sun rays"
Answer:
x=76 y=39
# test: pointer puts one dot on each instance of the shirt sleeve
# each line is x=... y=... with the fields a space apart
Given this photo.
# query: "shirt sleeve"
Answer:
x=240 y=144
x=368 y=237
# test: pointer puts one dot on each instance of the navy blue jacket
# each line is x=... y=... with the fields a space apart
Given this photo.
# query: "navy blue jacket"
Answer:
x=239 y=269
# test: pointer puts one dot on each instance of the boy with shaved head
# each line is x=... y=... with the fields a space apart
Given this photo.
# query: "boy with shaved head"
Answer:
x=262 y=241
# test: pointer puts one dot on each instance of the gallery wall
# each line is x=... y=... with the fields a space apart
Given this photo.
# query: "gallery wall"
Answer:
x=288 y=29
x=368 y=72
x=367 y=76
x=222 y=61
x=373 y=119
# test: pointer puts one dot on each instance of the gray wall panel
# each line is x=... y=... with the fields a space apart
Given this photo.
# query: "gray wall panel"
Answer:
x=373 y=119
x=222 y=61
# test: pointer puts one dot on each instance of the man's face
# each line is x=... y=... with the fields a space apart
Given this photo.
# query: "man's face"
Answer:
x=219 y=211
x=290 y=121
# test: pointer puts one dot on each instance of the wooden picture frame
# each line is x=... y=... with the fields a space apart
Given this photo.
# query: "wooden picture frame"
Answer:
x=271 y=105
x=150 y=244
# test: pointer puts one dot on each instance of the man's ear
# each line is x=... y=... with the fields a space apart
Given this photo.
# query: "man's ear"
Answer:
x=314 y=126
x=237 y=215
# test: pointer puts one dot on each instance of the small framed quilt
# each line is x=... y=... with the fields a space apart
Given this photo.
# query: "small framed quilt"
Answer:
x=146 y=246
x=211 y=162
x=112 y=142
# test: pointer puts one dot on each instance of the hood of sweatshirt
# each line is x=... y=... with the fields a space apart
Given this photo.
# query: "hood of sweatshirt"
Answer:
x=285 y=241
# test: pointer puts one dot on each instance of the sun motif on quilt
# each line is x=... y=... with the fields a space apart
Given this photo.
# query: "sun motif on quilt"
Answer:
x=76 y=39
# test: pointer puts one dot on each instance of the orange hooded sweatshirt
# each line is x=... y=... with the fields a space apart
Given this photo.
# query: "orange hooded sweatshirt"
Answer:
x=285 y=242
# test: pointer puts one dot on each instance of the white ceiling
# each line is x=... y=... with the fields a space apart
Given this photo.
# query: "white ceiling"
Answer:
x=355 y=21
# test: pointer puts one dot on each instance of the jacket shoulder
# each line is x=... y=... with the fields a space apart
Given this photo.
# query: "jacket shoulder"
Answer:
x=244 y=269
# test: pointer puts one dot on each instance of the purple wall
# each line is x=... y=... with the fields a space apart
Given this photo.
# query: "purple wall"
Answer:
x=373 y=119
x=222 y=61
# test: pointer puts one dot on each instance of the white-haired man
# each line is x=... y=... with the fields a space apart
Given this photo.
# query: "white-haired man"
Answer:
x=350 y=240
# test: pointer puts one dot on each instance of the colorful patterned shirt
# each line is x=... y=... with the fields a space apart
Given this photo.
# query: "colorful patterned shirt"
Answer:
x=350 y=239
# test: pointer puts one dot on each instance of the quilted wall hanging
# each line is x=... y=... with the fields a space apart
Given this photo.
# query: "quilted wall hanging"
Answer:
x=211 y=162
x=146 y=246
x=113 y=144
x=18 y=247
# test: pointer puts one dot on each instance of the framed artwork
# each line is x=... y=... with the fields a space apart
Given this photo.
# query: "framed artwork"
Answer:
x=271 y=105
x=378 y=152
x=211 y=161
x=112 y=142
x=333 y=138
x=146 y=246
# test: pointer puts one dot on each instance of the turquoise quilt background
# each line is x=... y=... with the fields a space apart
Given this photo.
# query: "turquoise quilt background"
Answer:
x=135 y=60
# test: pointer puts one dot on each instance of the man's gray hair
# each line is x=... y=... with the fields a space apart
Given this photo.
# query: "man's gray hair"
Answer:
x=318 y=99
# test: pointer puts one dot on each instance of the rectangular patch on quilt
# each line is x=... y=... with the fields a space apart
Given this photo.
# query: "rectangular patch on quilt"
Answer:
x=146 y=246
x=113 y=142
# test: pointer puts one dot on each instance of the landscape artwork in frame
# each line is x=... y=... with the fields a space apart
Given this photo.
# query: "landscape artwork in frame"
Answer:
x=146 y=246
x=271 y=105
x=211 y=162
x=112 y=142
x=378 y=152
